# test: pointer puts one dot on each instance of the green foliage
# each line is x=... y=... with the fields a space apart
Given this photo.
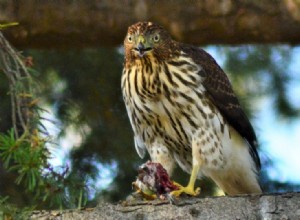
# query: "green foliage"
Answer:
x=23 y=149
x=63 y=190
x=26 y=156
x=9 y=211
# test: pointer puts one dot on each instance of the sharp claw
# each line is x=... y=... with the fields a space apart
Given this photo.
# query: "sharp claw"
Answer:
x=186 y=190
x=172 y=199
x=176 y=193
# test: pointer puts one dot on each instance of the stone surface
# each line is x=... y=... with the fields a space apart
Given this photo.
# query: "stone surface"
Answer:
x=275 y=206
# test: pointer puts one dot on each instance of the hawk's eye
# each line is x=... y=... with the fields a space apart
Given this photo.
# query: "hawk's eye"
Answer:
x=129 y=38
x=156 y=38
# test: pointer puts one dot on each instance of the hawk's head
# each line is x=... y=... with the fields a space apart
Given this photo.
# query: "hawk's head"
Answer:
x=146 y=39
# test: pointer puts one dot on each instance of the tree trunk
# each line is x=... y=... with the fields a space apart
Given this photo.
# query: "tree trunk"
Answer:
x=280 y=206
x=104 y=22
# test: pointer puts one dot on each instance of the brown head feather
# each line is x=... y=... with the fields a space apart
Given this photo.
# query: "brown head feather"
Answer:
x=162 y=50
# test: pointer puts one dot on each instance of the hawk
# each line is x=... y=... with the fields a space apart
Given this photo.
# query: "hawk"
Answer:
x=183 y=110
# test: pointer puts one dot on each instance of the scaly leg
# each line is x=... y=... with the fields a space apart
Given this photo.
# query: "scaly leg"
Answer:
x=197 y=162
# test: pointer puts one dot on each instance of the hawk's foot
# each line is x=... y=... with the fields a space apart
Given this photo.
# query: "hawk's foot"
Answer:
x=189 y=190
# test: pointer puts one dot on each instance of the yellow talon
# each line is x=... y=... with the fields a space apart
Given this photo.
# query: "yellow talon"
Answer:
x=189 y=190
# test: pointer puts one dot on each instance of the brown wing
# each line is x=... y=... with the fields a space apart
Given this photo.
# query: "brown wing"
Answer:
x=221 y=94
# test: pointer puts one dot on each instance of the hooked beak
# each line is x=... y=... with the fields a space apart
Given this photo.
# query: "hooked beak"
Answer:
x=141 y=48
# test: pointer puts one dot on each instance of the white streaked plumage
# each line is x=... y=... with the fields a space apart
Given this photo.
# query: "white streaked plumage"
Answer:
x=175 y=119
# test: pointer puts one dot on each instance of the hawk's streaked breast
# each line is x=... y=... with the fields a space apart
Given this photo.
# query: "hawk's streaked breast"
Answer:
x=169 y=106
